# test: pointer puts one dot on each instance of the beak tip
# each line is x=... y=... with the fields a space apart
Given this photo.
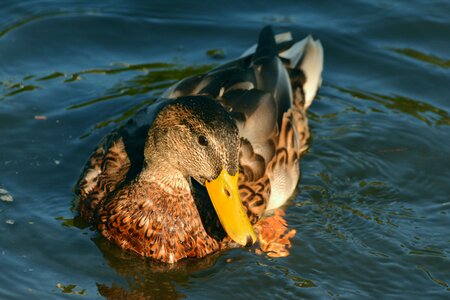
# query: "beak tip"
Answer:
x=249 y=241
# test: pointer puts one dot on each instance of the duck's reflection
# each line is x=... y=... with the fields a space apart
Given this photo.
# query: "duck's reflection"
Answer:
x=147 y=278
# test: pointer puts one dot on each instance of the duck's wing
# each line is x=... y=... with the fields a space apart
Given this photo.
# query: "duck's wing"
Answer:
x=267 y=91
x=116 y=160
x=105 y=169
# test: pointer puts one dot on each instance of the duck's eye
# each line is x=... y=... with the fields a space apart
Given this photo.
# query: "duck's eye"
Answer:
x=202 y=140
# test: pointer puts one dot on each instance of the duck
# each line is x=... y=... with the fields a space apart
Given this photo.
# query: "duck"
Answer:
x=203 y=167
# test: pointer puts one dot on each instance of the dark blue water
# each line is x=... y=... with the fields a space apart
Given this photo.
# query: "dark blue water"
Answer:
x=372 y=208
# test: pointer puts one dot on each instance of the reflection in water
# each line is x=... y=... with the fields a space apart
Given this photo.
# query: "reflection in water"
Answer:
x=422 y=111
x=157 y=77
x=70 y=289
x=336 y=198
x=428 y=58
x=16 y=88
x=438 y=281
x=298 y=281
x=28 y=20
x=146 y=278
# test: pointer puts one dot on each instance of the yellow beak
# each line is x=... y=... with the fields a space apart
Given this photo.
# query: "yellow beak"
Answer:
x=224 y=194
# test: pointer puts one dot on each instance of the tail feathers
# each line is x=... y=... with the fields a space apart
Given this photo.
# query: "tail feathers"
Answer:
x=267 y=47
x=312 y=66
x=295 y=52
x=279 y=38
x=307 y=55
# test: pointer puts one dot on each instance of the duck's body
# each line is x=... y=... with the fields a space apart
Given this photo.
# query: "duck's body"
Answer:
x=135 y=193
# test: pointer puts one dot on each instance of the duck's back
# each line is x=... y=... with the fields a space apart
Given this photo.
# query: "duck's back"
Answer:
x=267 y=91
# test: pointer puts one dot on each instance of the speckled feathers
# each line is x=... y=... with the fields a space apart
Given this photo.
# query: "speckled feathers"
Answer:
x=143 y=185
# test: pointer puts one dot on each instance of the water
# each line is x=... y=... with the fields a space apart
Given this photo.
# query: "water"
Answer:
x=372 y=210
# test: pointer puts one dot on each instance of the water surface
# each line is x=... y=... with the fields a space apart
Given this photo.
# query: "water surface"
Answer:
x=372 y=207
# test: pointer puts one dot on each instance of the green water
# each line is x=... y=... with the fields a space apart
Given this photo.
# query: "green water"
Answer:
x=372 y=208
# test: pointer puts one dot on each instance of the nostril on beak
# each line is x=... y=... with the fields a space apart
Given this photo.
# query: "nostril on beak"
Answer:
x=249 y=241
x=227 y=192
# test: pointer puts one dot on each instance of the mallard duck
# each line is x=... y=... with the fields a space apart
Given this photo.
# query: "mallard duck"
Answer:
x=195 y=172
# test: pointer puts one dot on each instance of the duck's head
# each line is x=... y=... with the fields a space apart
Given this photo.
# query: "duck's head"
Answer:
x=196 y=138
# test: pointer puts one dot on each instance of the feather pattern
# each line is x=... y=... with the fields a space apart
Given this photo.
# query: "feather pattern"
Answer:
x=266 y=92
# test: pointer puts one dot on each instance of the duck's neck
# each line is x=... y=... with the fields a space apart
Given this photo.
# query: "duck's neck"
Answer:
x=165 y=175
